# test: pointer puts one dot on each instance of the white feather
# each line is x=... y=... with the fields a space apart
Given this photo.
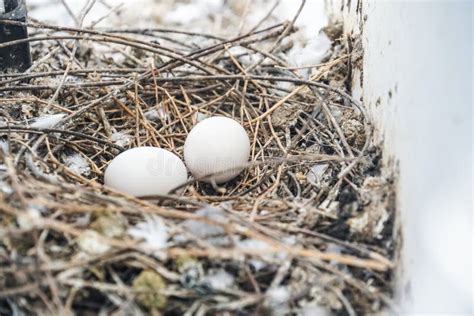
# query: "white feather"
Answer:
x=154 y=234
x=47 y=121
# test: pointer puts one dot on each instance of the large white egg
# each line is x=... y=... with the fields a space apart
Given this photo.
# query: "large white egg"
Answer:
x=145 y=171
x=217 y=145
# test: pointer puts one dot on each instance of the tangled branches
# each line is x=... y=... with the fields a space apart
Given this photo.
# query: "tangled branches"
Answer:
x=310 y=219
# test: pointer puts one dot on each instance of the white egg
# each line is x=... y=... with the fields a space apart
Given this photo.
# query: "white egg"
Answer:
x=217 y=145
x=145 y=171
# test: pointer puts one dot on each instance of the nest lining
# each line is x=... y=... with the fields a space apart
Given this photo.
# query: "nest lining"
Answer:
x=309 y=221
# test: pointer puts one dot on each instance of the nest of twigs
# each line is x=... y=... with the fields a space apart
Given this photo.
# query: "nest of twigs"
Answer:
x=308 y=224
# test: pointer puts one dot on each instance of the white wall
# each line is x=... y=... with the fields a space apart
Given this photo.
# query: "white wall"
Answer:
x=422 y=53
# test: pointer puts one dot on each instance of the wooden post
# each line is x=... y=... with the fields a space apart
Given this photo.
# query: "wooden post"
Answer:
x=15 y=57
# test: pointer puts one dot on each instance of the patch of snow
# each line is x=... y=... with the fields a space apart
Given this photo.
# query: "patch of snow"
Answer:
x=308 y=53
x=121 y=138
x=90 y=243
x=4 y=187
x=4 y=146
x=152 y=115
x=316 y=173
x=285 y=86
x=47 y=121
x=29 y=218
x=202 y=229
x=315 y=310
x=255 y=244
x=118 y=57
x=337 y=113
x=156 y=114
x=309 y=44
x=290 y=241
x=277 y=299
x=219 y=280
x=312 y=18
x=78 y=164
x=213 y=16
x=83 y=220
x=53 y=11
x=185 y=13
x=39 y=208
x=154 y=234
x=245 y=58
x=334 y=248
x=278 y=295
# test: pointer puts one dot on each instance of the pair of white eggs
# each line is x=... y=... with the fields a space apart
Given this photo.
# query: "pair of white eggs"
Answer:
x=216 y=150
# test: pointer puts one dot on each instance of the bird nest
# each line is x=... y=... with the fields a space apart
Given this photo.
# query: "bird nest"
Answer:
x=309 y=224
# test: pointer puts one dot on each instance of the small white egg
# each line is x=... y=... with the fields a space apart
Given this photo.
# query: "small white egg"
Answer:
x=145 y=171
x=217 y=145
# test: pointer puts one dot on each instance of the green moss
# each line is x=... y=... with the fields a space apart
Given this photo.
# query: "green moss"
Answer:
x=148 y=286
